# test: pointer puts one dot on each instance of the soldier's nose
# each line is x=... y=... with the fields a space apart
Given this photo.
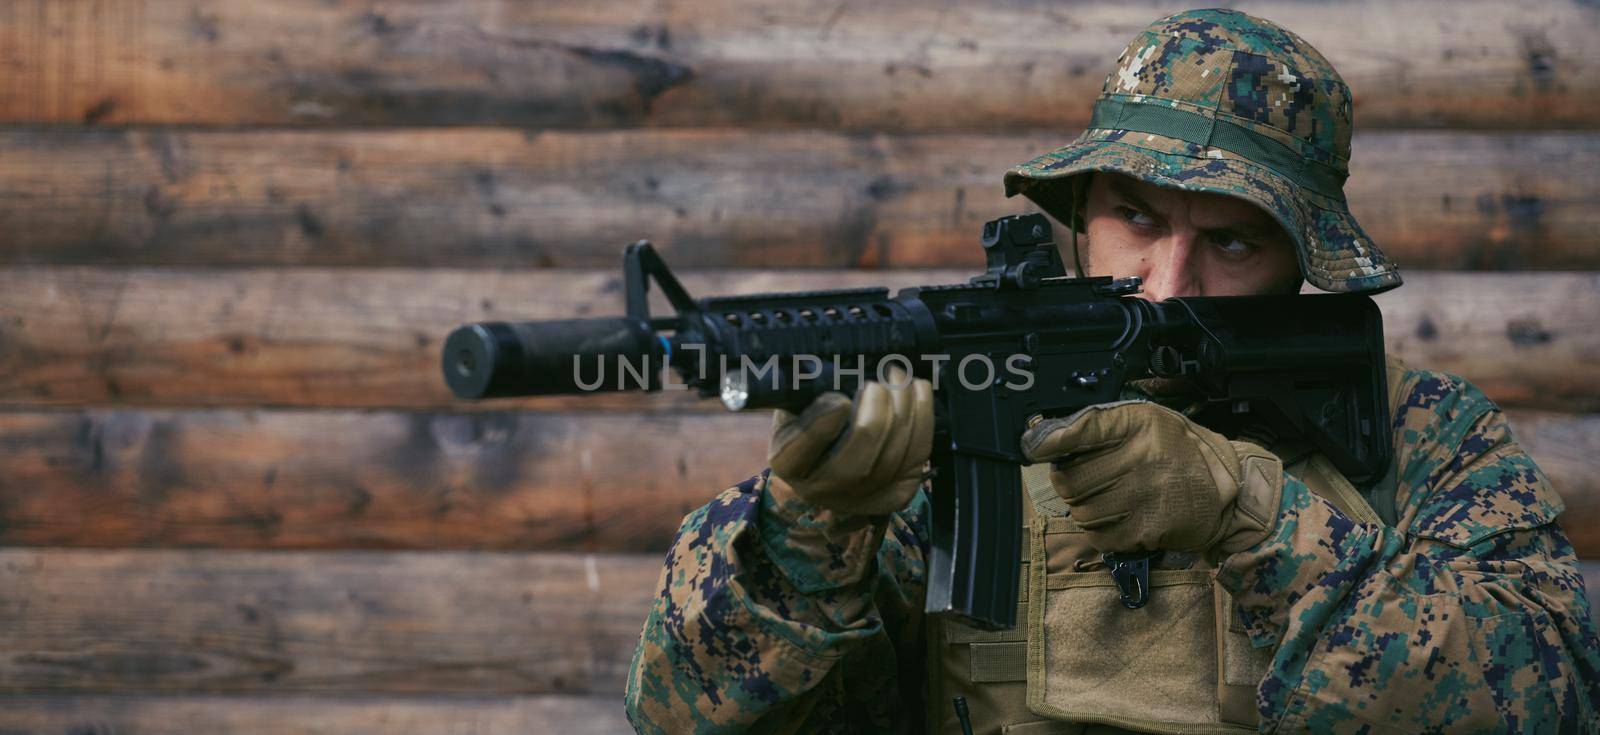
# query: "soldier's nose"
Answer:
x=1171 y=271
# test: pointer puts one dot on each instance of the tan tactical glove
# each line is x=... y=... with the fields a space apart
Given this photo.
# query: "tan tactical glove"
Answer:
x=874 y=466
x=1141 y=477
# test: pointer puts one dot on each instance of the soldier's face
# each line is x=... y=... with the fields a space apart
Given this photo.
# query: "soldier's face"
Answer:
x=1184 y=243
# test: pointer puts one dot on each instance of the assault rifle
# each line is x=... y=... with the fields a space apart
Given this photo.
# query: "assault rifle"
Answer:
x=1305 y=366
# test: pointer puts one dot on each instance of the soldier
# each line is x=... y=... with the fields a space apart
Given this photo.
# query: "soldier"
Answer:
x=1442 y=598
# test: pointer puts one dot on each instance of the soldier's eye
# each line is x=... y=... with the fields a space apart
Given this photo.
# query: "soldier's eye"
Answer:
x=1135 y=217
x=1232 y=247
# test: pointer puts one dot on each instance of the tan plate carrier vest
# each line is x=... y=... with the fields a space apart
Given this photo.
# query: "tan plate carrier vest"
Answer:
x=1079 y=662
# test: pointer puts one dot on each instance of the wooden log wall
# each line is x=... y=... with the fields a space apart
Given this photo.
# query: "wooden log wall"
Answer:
x=232 y=235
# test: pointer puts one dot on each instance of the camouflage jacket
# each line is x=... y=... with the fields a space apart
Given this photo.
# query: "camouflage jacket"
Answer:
x=776 y=617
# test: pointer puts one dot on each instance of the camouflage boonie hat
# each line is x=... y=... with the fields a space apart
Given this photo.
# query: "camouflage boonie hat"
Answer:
x=1223 y=102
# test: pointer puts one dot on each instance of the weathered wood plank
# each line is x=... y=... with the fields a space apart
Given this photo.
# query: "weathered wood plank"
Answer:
x=718 y=198
x=334 y=479
x=370 y=337
x=1524 y=341
x=310 y=715
x=1522 y=205
x=84 y=624
x=215 y=621
x=889 y=65
x=1591 y=579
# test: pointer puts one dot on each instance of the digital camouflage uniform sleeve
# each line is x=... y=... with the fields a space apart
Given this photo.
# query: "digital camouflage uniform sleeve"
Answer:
x=1474 y=619
x=772 y=616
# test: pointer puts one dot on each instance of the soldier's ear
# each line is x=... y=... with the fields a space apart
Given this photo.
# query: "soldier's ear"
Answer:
x=1079 y=224
x=1080 y=201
